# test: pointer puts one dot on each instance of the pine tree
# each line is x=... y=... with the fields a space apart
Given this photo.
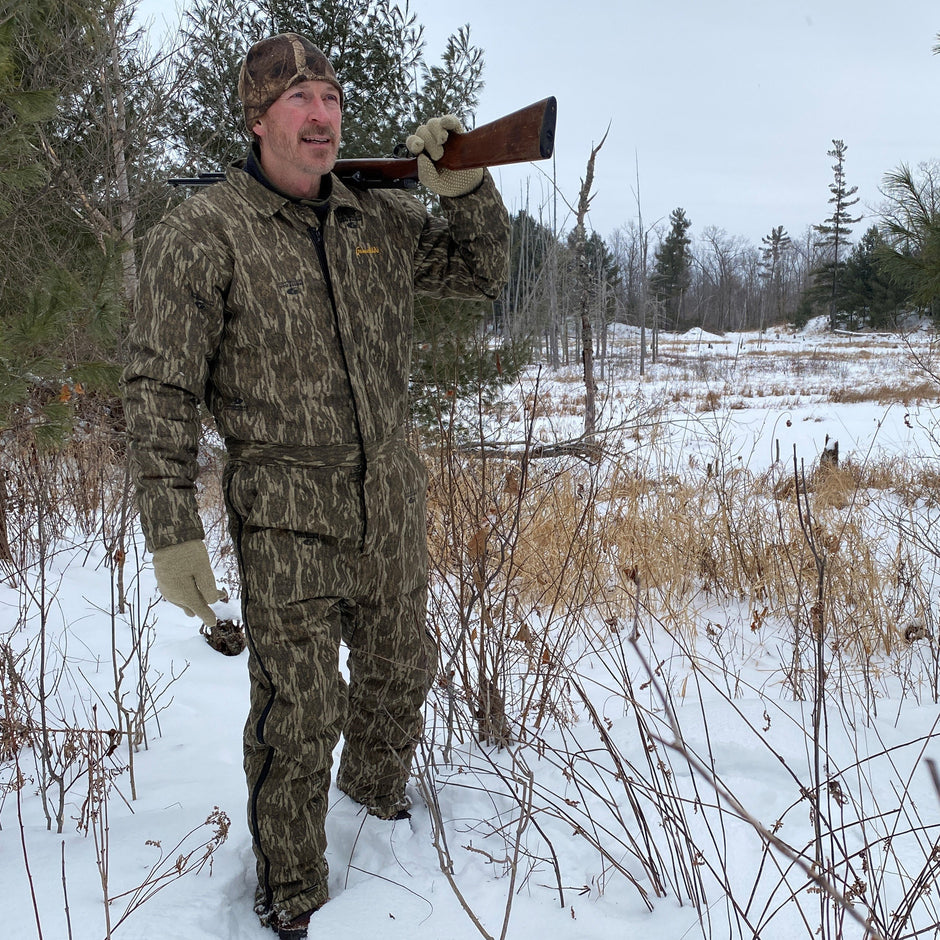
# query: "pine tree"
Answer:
x=459 y=360
x=671 y=266
x=866 y=289
x=454 y=86
x=910 y=255
x=23 y=108
x=43 y=305
x=208 y=128
x=67 y=283
x=835 y=231
x=26 y=102
x=776 y=246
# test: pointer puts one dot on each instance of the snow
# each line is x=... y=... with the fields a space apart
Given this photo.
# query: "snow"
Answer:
x=386 y=878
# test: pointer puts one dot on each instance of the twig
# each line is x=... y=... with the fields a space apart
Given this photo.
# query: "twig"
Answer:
x=934 y=775
x=524 y=816
x=65 y=894
x=22 y=826
x=444 y=861
x=678 y=745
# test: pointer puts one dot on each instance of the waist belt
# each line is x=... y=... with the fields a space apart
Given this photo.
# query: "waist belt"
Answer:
x=325 y=455
x=360 y=457
x=333 y=455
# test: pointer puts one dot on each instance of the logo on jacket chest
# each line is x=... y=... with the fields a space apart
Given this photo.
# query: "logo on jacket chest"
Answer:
x=293 y=286
x=367 y=250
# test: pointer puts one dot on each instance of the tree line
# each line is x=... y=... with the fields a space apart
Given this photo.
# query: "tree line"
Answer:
x=663 y=278
x=97 y=112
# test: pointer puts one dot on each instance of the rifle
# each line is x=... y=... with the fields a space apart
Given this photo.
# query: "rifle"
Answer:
x=526 y=134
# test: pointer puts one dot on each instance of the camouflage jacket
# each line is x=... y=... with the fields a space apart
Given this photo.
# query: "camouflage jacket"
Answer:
x=296 y=335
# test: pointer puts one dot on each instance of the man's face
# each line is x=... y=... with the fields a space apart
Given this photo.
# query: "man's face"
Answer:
x=300 y=136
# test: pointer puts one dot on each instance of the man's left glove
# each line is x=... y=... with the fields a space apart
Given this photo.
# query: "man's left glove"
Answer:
x=185 y=578
x=428 y=142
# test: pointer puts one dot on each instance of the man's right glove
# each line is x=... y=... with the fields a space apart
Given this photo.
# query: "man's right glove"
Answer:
x=185 y=578
x=427 y=143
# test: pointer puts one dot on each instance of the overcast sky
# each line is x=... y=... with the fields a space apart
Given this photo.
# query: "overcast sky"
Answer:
x=726 y=108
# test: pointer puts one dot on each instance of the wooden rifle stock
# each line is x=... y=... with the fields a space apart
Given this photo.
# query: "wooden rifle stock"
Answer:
x=526 y=134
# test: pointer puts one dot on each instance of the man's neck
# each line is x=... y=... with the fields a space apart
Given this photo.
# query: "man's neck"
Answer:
x=253 y=167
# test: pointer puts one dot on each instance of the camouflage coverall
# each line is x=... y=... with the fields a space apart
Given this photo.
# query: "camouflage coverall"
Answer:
x=297 y=334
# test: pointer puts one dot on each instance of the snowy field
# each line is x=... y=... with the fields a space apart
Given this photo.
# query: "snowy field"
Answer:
x=639 y=817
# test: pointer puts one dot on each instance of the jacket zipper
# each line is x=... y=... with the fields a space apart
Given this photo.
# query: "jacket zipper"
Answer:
x=316 y=234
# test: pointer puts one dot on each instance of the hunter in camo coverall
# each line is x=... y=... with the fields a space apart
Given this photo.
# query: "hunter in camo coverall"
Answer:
x=292 y=320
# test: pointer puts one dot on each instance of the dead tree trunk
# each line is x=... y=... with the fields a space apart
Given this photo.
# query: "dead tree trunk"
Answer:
x=116 y=113
x=585 y=285
x=643 y=299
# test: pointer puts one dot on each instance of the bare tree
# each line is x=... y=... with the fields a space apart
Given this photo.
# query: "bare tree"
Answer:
x=585 y=283
x=721 y=265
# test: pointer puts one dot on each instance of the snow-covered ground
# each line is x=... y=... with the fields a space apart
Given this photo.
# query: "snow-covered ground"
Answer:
x=603 y=855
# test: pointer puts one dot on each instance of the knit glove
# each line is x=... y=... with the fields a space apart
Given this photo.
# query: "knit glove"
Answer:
x=427 y=143
x=185 y=578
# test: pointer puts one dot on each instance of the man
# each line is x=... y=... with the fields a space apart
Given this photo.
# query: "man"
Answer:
x=283 y=299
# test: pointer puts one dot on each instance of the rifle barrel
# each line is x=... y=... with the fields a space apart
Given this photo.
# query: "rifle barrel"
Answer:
x=203 y=179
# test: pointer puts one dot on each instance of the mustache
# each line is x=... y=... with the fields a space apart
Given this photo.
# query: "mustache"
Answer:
x=319 y=130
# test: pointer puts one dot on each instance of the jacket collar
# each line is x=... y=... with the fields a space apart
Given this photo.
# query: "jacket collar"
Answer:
x=251 y=183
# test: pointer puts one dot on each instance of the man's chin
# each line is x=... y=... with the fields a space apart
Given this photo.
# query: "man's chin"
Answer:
x=322 y=165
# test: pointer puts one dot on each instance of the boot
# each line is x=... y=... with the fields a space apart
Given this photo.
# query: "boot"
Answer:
x=295 y=929
x=389 y=808
x=390 y=815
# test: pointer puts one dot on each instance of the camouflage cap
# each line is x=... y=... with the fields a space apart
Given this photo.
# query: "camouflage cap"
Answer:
x=275 y=64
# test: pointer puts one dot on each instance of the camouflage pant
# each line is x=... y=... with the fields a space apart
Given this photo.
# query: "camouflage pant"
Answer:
x=302 y=594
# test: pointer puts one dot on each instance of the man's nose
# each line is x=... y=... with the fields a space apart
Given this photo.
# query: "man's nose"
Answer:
x=318 y=111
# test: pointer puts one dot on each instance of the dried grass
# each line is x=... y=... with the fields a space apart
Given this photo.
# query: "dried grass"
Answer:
x=917 y=392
